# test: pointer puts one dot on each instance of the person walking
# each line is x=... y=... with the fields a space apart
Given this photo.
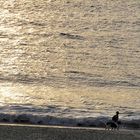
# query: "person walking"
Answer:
x=115 y=118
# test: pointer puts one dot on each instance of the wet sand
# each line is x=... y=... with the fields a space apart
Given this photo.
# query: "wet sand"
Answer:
x=38 y=132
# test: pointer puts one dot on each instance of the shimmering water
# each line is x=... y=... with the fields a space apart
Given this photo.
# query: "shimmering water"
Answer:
x=70 y=59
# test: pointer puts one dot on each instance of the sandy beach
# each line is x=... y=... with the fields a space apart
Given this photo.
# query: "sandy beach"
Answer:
x=39 y=132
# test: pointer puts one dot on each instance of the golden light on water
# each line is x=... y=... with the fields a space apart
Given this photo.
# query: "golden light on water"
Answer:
x=71 y=55
x=8 y=95
x=78 y=98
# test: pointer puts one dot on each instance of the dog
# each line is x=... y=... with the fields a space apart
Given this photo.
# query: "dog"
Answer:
x=111 y=125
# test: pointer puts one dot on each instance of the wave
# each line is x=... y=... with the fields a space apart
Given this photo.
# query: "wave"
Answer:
x=64 y=121
x=71 y=78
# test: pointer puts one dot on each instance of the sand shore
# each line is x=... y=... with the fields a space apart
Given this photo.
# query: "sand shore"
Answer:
x=38 y=132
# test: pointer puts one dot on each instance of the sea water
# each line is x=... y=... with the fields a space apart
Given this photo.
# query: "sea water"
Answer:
x=69 y=62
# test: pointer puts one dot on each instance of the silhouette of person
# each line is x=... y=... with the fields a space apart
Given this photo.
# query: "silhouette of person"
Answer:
x=115 y=118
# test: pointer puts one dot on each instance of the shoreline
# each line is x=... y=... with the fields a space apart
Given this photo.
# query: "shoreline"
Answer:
x=66 y=121
x=43 y=132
